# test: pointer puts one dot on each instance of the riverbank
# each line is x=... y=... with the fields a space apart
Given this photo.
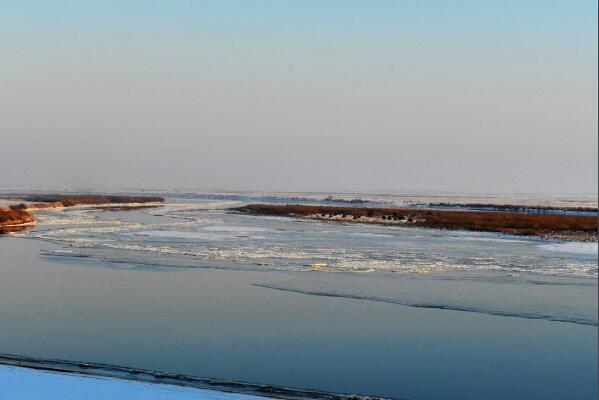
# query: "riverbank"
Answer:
x=39 y=383
x=123 y=382
x=14 y=218
x=39 y=201
x=17 y=217
x=518 y=208
x=549 y=226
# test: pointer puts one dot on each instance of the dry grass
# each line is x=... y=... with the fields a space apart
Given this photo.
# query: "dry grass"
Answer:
x=11 y=217
x=54 y=200
x=15 y=215
x=488 y=221
x=514 y=207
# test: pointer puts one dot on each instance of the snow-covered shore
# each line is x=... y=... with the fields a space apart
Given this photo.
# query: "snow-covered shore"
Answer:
x=18 y=383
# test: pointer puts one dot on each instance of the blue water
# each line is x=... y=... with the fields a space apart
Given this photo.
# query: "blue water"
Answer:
x=411 y=313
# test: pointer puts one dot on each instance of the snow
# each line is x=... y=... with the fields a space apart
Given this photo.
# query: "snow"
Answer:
x=589 y=248
x=24 y=383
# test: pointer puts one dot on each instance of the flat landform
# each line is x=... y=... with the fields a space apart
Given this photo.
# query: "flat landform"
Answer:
x=550 y=226
x=529 y=209
x=18 y=216
x=71 y=200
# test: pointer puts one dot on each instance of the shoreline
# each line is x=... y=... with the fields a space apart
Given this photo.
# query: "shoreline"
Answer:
x=70 y=200
x=122 y=373
x=16 y=217
x=546 y=226
x=516 y=208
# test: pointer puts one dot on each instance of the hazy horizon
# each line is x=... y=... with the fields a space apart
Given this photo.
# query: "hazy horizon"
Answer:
x=331 y=96
x=582 y=196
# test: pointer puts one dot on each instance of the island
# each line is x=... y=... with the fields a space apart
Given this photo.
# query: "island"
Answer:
x=550 y=226
x=71 y=200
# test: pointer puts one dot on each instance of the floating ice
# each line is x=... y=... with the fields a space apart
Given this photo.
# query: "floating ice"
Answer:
x=572 y=247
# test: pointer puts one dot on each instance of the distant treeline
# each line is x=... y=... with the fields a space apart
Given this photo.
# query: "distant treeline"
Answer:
x=332 y=199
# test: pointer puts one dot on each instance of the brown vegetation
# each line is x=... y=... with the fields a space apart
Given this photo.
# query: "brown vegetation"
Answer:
x=13 y=216
x=579 y=227
x=56 y=200
x=539 y=209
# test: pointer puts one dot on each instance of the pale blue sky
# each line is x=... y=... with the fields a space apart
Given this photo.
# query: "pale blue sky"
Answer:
x=478 y=96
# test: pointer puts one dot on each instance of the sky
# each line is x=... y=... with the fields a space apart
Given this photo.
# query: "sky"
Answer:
x=330 y=96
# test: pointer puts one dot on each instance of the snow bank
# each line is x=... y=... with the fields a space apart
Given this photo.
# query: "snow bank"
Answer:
x=18 y=383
